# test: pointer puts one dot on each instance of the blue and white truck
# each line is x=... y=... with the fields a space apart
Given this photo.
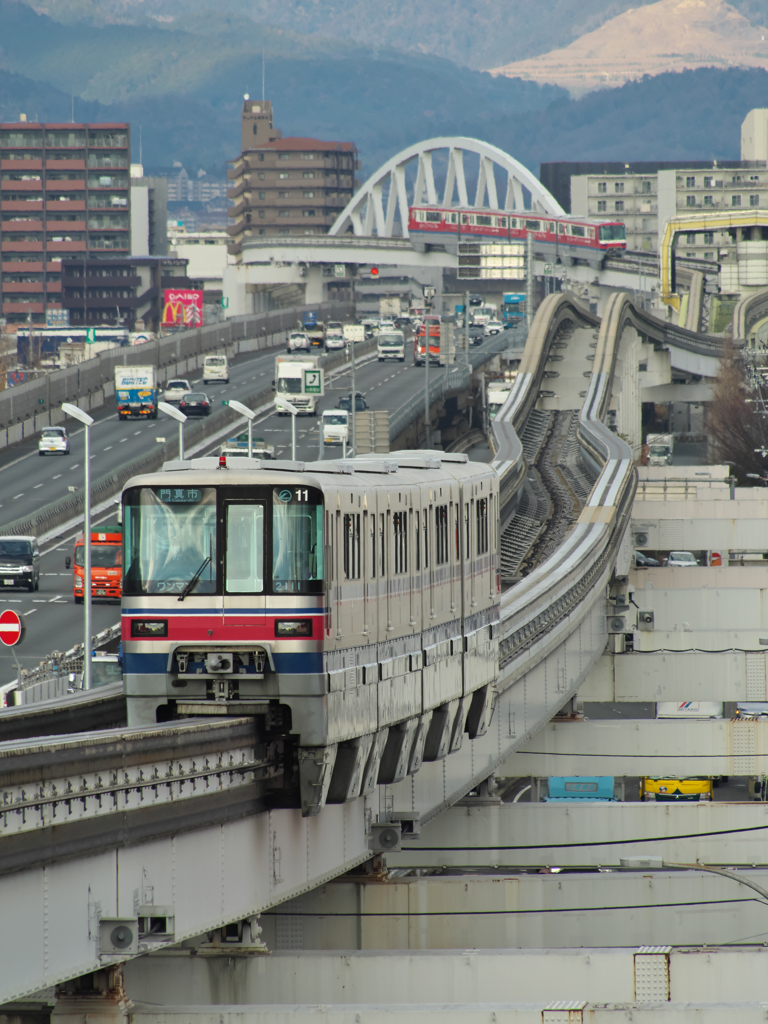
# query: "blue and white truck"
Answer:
x=136 y=392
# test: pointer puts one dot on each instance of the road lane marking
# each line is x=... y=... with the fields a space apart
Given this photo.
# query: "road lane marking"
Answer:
x=30 y=612
x=57 y=476
x=136 y=433
x=18 y=496
x=76 y=466
x=124 y=440
x=108 y=448
x=36 y=486
x=37 y=600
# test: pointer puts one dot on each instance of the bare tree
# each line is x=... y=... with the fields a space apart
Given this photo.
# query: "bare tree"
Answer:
x=737 y=417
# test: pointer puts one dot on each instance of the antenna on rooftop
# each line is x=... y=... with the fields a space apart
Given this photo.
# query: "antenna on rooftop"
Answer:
x=73 y=106
x=263 y=75
x=141 y=161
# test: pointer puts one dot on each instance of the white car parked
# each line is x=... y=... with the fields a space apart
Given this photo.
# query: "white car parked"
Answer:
x=493 y=327
x=298 y=341
x=53 y=441
x=176 y=389
x=681 y=558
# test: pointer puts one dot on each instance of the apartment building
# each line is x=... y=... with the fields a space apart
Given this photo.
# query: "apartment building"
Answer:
x=64 y=194
x=293 y=186
x=645 y=201
x=149 y=214
x=121 y=291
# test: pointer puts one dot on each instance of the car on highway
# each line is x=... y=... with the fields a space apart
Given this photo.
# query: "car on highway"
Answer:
x=645 y=561
x=334 y=340
x=334 y=327
x=175 y=390
x=196 y=403
x=684 y=559
x=298 y=341
x=402 y=321
x=493 y=327
x=345 y=402
x=215 y=368
x=53 y=441
x=19 y=562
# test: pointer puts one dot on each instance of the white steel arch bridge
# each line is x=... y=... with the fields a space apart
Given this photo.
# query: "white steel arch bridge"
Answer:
x=383 y=199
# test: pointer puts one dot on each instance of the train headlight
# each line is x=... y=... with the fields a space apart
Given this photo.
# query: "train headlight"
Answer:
x=149 y=629
x=293 y=627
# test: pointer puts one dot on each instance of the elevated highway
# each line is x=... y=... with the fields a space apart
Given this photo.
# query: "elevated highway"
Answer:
x=149 y=802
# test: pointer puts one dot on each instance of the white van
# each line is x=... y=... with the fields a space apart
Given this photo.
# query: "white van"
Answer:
x=335 y=427
x=215 y=368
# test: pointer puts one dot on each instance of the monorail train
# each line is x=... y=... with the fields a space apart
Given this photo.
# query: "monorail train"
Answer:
x=351 y=606
x=566 y=238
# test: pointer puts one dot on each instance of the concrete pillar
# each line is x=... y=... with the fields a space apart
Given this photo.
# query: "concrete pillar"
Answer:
x=313 y=291
x=97 y=998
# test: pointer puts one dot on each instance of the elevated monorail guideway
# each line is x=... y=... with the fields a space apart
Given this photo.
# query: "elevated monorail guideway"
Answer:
x=444 y=659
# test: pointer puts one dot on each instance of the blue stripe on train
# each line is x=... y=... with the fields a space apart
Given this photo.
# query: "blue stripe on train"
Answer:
x=291 y=662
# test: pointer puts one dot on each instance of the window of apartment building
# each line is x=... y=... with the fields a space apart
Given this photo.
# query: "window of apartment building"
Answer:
x=262 y=175
x=284 y=174
x=308 y=213
x=690 y=182
x=645 y=188
x=283 y=156
x=261 y=155
x=284 y=213
x=309 y=195
x=690 y=239
x=309 y=174
x=261 y=231
x=619 y=206
x=247 y=218
x=262 y=213
x=601 y=206
x=262 y=195
x=602 y=186
x=618 y=186
x=282 y=195
x=709 y=255
x=307 y=156
x=755 y=178
x=709 y=200
x=709 y=181
x=736 y=179
x=735 y=200
x=754 y=200
x=284 y=231
x=690 y=200
x=709 y=238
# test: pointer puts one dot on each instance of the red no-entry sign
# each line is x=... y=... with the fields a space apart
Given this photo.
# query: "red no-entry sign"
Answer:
x=11 y=628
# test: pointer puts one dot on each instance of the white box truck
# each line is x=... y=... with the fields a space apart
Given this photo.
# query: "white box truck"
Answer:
x=660 y=449
x=336 y=427
x=290 y=381
x=136 y=393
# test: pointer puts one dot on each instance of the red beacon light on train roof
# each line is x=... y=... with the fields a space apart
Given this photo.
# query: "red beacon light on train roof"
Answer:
x=374 y=271
x=222 y=462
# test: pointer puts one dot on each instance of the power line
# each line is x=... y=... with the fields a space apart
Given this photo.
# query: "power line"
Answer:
x=513 y=913
x=606 y=842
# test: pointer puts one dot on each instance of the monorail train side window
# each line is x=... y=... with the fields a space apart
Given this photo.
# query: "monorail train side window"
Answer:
x=169 y=540
x=456 y=529
x=372 y=532
x=297 y=540
x=425 y=520
x=245 y=549
x=382 y=547
x=352 y=545
x=417 y=541
x=466 y=529
x=481 y=511
x=434 y=215
x=400 y=540
x=441 y=534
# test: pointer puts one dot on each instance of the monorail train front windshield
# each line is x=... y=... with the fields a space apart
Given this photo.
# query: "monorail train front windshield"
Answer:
x=190 y=541
x=613 y=233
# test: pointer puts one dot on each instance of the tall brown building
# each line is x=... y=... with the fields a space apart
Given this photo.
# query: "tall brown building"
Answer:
x=64 y=194
x=283 y=186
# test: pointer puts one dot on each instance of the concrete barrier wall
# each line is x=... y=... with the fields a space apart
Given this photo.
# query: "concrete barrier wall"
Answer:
x=28 y=407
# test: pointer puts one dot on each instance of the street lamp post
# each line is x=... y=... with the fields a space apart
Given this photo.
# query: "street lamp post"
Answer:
x=87 y=421
x=250 y=415
x=286 y=406
x=175 y=414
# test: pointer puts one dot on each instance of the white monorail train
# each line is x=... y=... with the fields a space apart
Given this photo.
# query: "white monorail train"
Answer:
x=351 y=606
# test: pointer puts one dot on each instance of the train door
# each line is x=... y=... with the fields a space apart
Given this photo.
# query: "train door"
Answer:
x=245 y=547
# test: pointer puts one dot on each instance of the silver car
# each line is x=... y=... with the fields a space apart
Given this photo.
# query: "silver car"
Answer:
x=176 y=389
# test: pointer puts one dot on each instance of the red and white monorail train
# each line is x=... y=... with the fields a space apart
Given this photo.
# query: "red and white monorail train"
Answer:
x=566 y=238
x=351 y=607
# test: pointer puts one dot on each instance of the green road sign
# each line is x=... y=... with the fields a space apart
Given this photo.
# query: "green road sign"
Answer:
x=90 y=335
x=225 y=401
x=548 y=269
x=225 y=302
x=313 y=382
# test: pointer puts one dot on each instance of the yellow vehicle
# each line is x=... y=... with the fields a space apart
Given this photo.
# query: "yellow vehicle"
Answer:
x=696 y=788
